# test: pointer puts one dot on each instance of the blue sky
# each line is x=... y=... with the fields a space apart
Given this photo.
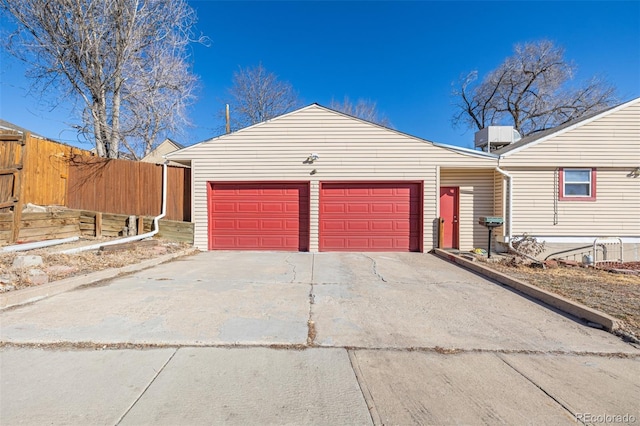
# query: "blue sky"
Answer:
x=402 y=55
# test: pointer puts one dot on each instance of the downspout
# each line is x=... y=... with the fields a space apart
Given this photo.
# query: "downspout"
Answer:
x=38 y=244
x=510 y=216
x=156 y=225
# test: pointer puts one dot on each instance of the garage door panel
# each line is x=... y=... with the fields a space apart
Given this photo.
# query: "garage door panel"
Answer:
x=259 y=216
x=370 y=216
x=356 y=208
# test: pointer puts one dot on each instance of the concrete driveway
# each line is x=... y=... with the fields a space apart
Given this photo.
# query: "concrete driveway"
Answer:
x=267 y=337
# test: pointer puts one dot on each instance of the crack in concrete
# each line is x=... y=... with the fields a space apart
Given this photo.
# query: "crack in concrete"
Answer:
x=87 y=345
x=311 y=325
x=375 y=268
x=293 y=269
x=146 y=388
x=530 y=380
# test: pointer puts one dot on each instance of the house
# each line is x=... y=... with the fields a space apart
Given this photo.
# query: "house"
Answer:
x=319 y=180
x=6 y=125
x=157 y=154
x=316 y=179
x=575 y=183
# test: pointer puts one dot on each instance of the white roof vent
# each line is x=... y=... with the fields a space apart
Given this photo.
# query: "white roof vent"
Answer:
x=495 y=137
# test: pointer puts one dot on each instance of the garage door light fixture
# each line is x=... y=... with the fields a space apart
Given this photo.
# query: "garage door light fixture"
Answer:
x=311 y=158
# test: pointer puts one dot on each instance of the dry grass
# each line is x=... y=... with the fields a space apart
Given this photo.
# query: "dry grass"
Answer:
x=615 y=294
x=59 y=266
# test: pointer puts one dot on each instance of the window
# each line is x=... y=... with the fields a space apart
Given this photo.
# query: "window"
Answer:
x=577 y=184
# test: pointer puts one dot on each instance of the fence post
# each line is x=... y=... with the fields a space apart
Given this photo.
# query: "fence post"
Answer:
x=18 y=189
x=98 y=225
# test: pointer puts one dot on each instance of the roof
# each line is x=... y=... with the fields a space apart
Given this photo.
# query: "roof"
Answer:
x=456 y=149
x=4 y=124
x=538 y=137
x=172 y=142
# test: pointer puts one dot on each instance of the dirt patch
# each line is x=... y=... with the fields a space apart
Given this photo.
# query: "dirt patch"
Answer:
x=57 y=266
x=613 y=293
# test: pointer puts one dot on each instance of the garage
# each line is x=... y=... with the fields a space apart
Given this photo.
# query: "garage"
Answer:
x=317 y=179
x=258 y=216
x=370 y=216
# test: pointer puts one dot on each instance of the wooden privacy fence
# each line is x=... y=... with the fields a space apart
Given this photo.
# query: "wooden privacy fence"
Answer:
x=128 y=187
x=47 y=173
x=44 y=167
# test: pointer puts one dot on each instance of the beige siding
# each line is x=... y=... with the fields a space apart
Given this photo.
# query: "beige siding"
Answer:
x=349 y=150
x=155 y=156
x=537 y=211
x=609 y=141
x=476 y=199
x=499 y=202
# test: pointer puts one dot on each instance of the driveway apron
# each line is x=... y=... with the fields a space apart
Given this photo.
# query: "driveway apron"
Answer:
x=301 y=338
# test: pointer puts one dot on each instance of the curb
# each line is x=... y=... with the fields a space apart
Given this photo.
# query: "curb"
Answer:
x=33 y=294
x=571 y=307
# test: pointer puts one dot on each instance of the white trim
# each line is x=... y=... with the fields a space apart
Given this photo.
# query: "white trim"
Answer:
x=567 y=129
x=580 y=240
x=466 y=151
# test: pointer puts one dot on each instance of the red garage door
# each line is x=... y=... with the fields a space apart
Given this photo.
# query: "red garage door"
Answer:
x=259 y=216
x=370 y=216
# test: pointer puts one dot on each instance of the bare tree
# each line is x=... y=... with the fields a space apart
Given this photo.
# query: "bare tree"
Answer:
x=531 y=90
x=257 y=95
x=363 y=108
x=125 y=61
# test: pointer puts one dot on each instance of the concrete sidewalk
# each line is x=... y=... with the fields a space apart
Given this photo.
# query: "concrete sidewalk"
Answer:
x=300 y=338
x=197 y=386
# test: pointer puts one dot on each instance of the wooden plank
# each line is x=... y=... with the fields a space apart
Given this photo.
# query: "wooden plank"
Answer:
x=49 y=232
x=13 y=138
x=47 y=215
x=9 y=203
x=140 y=226
x=98 y=229
x=10 y=171
x=48 y=223
x=130 y=246
x=54 y=236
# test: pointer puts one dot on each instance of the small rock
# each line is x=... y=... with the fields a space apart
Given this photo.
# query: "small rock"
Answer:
x=6 y=279
x=160 y=250
x=551 y=263
x=6 y=287
x=26 y=261
x=38 y=277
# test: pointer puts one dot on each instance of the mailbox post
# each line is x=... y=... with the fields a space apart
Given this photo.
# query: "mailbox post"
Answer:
x=490 y=222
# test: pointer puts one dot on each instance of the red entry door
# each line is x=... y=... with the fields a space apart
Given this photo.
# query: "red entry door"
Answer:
x=450 y=212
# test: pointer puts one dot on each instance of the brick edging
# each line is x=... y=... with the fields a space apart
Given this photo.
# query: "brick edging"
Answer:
x=32 y=294
x=576 y=309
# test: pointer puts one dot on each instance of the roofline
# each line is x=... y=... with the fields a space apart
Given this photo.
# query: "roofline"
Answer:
x=467 y=151
x=226 y=135
x=458 y=150
x=572 y=127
